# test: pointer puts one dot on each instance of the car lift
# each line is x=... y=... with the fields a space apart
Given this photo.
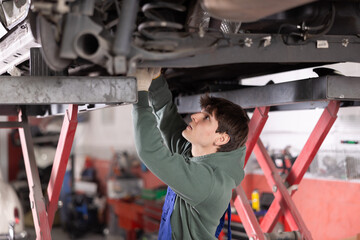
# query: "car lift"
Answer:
x=283 y=203
x=310 y=93
x=325 y=92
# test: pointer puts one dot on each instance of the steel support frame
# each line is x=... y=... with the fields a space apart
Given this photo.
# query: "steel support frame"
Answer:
x=304 y=160
x=283 y=199
x=308 y=93
x=44 y=215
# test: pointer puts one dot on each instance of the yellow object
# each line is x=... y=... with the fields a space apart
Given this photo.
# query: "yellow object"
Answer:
x=255 y=200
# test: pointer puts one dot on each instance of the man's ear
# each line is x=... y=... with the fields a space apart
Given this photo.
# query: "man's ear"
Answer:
x=222 y=139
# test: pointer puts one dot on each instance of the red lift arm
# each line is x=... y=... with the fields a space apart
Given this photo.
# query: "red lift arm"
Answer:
x=283 y=202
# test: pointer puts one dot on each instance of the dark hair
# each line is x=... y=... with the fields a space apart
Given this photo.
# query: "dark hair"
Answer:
x=232 y=120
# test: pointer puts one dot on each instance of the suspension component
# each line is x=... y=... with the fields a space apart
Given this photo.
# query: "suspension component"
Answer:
x=157 y=19
x=124 y=30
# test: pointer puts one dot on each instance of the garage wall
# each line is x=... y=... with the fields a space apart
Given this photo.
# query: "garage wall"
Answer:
x=329 y=208
x=107 y=130
x=293 y=128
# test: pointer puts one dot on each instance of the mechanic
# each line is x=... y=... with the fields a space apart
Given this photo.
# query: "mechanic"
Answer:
x=200 y=162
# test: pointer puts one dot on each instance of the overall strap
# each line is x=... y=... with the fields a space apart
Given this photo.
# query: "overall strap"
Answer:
x=165 y=224
x=222 y=221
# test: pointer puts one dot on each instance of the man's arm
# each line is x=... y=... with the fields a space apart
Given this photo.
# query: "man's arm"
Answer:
x=192 y=181
x=170 y=122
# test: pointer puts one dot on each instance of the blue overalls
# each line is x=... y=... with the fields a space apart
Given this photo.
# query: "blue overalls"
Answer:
x=165 y=225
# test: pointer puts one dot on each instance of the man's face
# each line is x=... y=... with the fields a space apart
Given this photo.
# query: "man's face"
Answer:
x=201 y=131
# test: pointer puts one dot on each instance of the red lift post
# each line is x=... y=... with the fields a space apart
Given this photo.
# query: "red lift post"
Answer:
x=43 y=216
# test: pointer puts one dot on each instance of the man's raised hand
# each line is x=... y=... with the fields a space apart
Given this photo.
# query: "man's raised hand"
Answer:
x=144 y=77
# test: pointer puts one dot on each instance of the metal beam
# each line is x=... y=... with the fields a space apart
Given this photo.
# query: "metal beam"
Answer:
x=67 y=90
x=218 y=49
x=303 y=94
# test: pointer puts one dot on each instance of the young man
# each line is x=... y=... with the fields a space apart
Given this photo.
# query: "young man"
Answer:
x=200 y=162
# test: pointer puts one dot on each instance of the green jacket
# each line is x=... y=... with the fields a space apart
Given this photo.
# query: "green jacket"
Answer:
x=203 y=184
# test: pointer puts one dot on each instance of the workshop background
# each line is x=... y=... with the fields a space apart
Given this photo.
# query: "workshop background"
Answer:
x=108 y=193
